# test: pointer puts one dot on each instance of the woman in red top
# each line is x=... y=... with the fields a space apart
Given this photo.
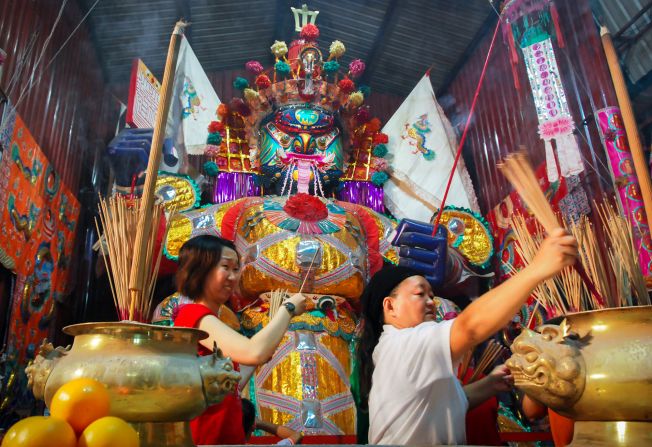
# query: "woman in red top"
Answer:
x=207 y=274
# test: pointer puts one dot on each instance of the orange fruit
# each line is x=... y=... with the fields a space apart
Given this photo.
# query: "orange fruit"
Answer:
x=80 y=402
x=109 y=431
x=39 y=431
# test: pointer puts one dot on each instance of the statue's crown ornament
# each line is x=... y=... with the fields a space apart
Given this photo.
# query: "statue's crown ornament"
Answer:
x=304 y=85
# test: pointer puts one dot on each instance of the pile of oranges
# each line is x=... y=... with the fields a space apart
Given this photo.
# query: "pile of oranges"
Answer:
x=79 y=417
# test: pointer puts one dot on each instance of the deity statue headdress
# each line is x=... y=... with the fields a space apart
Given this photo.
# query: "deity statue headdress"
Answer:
x=301 y=123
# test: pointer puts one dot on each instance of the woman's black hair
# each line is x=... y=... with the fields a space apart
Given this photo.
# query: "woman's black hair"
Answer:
x=248 y=415
x=197 y=257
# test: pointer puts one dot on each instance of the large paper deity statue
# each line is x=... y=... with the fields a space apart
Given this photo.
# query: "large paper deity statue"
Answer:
x=302 y=136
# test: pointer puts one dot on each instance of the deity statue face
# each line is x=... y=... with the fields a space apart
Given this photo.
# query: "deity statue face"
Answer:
x=301 y=150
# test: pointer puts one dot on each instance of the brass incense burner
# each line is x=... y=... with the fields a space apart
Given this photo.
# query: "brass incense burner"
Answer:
x=594 y=367
x=153 y=374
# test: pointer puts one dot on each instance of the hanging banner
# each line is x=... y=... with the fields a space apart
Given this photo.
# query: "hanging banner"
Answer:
x=531 y=26
x=38 y=217
x=613 y=134
x=144 y=94
x=555 y=121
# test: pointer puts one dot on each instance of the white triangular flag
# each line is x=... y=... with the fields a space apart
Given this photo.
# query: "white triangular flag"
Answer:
x=194 y=104
x=421 y=152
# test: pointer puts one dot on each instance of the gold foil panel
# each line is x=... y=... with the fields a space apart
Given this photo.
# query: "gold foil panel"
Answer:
x=287 y=379
x=179 y=232
x=476 y=245
x=284 y=273
x=177 y=192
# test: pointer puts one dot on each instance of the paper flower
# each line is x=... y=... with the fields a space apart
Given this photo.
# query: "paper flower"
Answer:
x=215 y=126
x=279 y=48
x=331 y=67
x=282 y=68
x=373 y=125
x=254 y=67
x=250 y=94
x=362 y=115
x=211 y=169
x=263 y=82
x=222 y=110
x=305 y=207
x=239 y=106
x=380 y=138
x=356 y=99
x=380 y=150
x=356 y=67
x=346 y=85
x=379 y=164
x=214 y=138
x=309 y=32
x=337 y=49
x=379 y=178
x=365 y=89
x=240 y=83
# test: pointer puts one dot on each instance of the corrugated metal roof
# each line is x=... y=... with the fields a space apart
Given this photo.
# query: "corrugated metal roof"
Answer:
x=403 y=36
x=637 y=58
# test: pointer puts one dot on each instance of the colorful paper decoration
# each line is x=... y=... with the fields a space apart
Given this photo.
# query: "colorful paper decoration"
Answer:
x=612 y=130
x=38 y=217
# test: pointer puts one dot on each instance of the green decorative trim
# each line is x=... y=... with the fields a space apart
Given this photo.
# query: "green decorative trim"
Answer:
x=302 y=326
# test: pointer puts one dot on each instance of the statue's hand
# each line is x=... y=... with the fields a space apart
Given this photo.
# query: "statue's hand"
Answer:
x=422 y=251
x=129 y=153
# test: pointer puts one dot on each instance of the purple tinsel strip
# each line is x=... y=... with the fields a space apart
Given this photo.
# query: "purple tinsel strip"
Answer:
x=363 y=193
x=234 y=185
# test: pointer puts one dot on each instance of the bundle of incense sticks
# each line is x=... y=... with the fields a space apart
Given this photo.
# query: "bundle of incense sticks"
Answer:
x=275 y=301
x=491 y=353
x=623 y=258
x=547 y=293
x=594 y=263
x=516 y=167
x=118 y=218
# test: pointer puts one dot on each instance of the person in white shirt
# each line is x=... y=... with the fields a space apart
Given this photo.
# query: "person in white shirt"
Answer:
x=408 y=361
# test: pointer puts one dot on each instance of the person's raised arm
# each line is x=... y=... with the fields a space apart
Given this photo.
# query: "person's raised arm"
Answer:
x=250 y=351
x=493 y=310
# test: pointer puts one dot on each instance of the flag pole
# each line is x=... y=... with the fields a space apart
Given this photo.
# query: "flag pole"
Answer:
x=137 y=273
x=631 y=129
x=466 y=129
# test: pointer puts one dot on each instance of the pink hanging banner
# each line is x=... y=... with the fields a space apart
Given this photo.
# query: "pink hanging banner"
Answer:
x=613 y=134
x=553 y=112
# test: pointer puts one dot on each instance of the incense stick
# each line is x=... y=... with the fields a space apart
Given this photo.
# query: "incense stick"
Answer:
x=309 y=269
x=275 y=301
x=118 y=218
x=491 y=353
x=516 y=167
x=623 y=257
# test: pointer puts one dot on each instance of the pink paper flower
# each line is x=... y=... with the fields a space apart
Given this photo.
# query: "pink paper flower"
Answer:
x=254 y=67
x=556 y=127
x=356 y=67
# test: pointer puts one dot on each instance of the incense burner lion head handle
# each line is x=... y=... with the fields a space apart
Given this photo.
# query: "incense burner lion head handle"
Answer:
x=548 y=365
x=40 y=368
x=219 y=378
